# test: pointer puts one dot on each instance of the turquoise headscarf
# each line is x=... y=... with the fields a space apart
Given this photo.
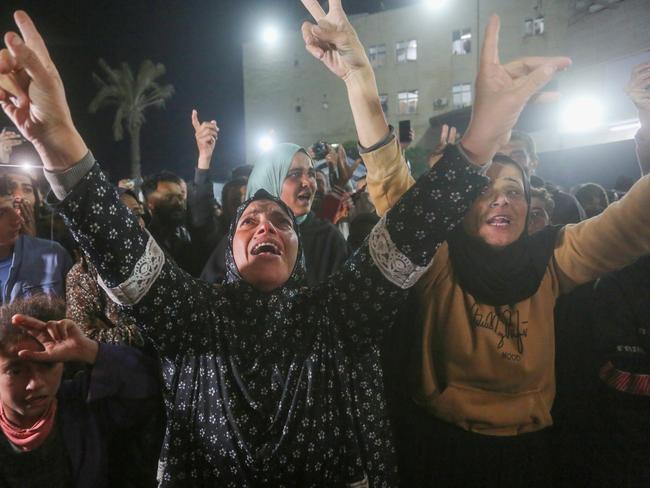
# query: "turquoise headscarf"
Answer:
x=270 y=171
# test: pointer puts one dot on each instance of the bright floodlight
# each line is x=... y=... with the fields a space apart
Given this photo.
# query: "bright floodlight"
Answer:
x=433 y=4
x=582 y=115
x=270 y=34
x=266 y=143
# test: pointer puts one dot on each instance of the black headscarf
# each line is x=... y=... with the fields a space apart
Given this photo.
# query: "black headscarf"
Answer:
x=232 y=272
x=503 y=276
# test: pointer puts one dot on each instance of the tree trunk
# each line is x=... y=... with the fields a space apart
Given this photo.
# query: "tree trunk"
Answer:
x=136 y=171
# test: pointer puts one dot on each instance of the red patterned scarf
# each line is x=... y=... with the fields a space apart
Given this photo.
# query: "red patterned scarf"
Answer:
x=32 y=437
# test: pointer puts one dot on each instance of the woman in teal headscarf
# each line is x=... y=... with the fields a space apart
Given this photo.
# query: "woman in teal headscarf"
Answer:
x=287 y=172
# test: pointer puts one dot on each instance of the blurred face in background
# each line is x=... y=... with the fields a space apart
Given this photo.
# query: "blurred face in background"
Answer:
x=322 y=185
x=233 y=198
x=299 y=187
x=183 y=185
x=538 y=217
x=167 y=203
x=593 y=199
x=518 y=151
x=10 y=222
x=20 y=187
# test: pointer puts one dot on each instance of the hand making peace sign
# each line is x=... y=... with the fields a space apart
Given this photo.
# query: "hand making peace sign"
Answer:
x=334 y=40
x=36 y=102
x=502 y=91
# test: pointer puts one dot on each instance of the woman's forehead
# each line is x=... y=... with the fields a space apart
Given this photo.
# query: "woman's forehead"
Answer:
x=301 y=160
x=265 y=207
x=505 y=173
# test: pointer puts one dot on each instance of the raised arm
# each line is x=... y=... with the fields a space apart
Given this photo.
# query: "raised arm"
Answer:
x=368 y=290
x=334 y=41
x=204 y=227
x=400 y=248
x=132 y=268
x=606 y=242
x=621 y=233
x=638 y=90
x=502 y=91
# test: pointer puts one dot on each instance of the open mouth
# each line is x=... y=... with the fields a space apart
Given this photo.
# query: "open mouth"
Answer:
x=266 y=248
x=499 y=221
x=304 y=196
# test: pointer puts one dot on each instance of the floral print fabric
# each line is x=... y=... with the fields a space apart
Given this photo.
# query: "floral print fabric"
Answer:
x=270 y=389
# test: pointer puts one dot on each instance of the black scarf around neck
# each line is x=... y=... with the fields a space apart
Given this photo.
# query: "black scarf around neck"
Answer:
x=504 y=276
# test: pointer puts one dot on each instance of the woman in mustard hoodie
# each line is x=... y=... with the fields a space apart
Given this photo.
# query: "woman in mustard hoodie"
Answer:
x=485 y=378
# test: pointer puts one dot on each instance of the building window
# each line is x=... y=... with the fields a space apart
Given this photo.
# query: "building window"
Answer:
x=461 y=41
x=377 y=55
x=383 y=99
x=407 y=102
x=534 y=27
x=461 y=95
x=406 y=51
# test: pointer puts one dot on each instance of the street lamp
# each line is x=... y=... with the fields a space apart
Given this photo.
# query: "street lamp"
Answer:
x=582 y=115
x=434 y=4
x=266 y=143
x=270 y=35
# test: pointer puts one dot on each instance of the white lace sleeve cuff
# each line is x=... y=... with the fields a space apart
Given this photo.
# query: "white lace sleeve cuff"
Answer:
x=144 y=274
x=393 y=264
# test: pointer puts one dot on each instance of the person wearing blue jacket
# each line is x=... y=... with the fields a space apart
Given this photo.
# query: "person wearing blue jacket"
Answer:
x=28 y=265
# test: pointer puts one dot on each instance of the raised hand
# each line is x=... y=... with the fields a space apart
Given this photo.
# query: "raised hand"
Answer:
x=502 y=91
x=38 y=108
x=447 y=136
x=340 y=170
x=62 y=341
x=334 y=41
x=206 y=134
x=638 y=89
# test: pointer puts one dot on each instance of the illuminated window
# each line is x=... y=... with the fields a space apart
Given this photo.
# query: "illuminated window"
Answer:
x=534 y=27
x=461 y=95
x=406 y=51
x=407 y=102
x=377 y=55
x=461 y=41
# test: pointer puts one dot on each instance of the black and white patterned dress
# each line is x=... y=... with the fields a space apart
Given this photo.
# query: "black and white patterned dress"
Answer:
x=273 y=389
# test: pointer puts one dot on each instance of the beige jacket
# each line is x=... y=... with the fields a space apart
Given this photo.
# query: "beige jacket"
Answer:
x=494 y=373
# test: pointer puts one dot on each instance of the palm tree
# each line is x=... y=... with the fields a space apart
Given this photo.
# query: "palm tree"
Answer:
x=132 y=96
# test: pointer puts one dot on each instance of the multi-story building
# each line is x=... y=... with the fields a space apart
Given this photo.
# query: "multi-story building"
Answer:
x=426 y=56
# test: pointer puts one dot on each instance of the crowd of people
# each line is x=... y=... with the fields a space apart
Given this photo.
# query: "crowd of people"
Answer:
x=329 y=320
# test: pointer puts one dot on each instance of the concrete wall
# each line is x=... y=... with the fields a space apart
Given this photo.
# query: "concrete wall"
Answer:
x=604 y=46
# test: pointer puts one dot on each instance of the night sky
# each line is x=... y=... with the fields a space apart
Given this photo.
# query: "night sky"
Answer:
x=198 y=41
